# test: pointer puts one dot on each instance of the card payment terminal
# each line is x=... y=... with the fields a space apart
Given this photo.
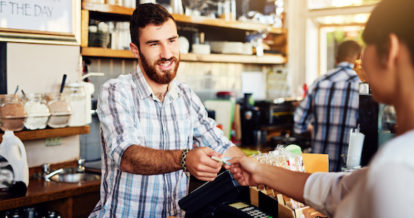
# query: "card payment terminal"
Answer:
x=224 y=197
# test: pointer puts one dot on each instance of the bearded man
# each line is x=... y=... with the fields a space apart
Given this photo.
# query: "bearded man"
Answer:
x=154 y=130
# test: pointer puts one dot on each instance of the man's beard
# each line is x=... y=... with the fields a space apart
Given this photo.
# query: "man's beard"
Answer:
x=163 y=77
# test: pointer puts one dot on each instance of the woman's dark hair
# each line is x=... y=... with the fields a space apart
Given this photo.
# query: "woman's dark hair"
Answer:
x=145 y=14
x=391 y=16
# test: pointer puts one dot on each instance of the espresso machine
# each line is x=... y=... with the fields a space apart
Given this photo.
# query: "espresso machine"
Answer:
x=250 y=123
x=377 y=123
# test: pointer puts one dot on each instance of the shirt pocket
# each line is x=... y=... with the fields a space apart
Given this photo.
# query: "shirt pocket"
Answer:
x=183 y=131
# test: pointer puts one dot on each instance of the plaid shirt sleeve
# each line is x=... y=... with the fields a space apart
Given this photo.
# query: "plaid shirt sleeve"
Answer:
x=115 y=108
x=205 y=131
x=303 y=113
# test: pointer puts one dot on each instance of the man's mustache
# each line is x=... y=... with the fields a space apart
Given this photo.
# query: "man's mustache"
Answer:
x=165 y=59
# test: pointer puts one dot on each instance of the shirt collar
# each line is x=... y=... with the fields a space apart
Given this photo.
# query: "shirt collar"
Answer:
x=144 y=90
x=345 y=64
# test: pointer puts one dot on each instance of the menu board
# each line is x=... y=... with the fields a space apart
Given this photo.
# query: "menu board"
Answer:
x=37 y=15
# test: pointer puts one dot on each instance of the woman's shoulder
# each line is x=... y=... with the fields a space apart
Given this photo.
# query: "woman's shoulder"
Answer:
x=399 y=150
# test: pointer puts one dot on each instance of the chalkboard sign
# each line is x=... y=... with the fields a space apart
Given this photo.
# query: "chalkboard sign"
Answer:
x=39 y=20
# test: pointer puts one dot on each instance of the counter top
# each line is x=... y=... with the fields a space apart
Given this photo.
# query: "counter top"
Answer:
x=40 y=191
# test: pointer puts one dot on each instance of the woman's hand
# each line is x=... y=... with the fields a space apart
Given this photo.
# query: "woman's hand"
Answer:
x=245 y=170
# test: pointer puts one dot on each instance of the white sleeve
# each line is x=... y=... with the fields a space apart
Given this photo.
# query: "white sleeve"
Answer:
x=389 y=191
x=324 y=191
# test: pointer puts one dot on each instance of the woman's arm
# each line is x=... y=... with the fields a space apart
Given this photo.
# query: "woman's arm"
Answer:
x=248 y=171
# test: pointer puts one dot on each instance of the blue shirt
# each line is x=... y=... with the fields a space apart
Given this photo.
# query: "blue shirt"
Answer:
x=332 y=107
x=130 y=114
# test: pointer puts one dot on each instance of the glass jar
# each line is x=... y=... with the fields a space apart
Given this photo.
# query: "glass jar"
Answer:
x=59 y=110
x=12 y=113
x=76 y=97
x=37 y=111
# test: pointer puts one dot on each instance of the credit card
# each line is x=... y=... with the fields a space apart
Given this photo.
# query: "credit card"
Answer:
x=223 y=160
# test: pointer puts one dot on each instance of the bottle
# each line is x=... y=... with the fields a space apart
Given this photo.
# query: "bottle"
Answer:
x=75 y=95
x=177 y=7
x=13 y=154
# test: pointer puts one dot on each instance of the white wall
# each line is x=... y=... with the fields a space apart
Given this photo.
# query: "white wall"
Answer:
x=39 y=68
x=296 y=24
x=312 y=48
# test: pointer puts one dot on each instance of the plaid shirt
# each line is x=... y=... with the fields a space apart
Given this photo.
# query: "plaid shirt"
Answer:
x=130 y=114
x=332 y=108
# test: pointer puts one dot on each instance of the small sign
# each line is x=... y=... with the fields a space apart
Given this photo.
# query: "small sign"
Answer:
x=39 y=19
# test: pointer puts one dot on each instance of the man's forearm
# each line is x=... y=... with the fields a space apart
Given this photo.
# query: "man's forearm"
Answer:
x=147 y=161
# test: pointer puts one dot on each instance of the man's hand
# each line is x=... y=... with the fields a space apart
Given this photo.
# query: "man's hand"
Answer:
x=244 y=169
x=200 y=164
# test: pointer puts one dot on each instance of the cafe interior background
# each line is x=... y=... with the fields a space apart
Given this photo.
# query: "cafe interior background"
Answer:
x=270 y=48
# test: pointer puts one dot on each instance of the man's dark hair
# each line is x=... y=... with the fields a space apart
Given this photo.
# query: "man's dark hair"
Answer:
x=391 y=16
x=145 y=14
x=347 y=49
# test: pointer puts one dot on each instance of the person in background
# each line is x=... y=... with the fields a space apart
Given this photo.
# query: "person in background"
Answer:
x=385 y=188
x=153 y=128
x=331 y=106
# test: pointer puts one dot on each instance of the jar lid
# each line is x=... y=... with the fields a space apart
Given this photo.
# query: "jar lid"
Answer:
x=224 y=94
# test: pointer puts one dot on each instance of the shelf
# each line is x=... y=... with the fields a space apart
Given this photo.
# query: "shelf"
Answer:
x=106 y=8
x=105 y=52
x=249 y=26
x=230 y=58
x=50 y=133
x=216 y=58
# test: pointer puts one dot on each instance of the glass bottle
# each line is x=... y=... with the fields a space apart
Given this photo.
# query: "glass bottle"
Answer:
x=76 y=97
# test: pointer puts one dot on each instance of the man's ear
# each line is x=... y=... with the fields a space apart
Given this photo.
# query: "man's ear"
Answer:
x=134 y=50
x=394 y=47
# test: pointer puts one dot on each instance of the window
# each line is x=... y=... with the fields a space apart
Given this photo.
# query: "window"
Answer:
x=319 y=4
x=330 y=38
x=336 y=21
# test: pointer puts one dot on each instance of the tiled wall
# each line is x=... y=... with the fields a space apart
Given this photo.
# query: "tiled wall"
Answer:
x=204 y=78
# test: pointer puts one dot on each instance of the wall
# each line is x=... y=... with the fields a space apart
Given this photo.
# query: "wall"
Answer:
x=296 y=24
x=204 y=78
x=39 y=68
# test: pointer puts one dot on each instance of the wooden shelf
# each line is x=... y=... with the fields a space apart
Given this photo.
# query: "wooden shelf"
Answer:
x=249 y=26
x=216 y=58
x=230 y=58
x=106 y=8
x=50 y=133
x=105 y=52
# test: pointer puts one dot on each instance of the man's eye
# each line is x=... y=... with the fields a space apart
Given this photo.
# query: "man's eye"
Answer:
x=172 y=40
x=153 y=44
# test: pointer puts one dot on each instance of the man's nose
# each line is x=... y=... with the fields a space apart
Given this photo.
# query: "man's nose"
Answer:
x=166 y=52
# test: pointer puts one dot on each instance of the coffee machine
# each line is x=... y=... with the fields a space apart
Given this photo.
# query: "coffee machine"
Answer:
x=250 y=123
x=377 y=123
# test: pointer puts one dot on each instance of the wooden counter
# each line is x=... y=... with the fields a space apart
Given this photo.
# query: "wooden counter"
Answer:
x=70 y=199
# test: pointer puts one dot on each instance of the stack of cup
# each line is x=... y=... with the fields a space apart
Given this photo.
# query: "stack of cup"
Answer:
x=356 y=141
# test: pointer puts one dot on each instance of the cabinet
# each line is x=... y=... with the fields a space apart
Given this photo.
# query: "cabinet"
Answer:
x=218 y=29
x=68 y=199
